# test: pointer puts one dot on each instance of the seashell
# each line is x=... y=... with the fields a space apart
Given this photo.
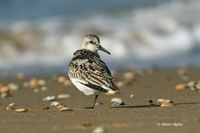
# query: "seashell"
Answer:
x=19 y=110
x=33 y=83
x=48 y=98
x=117 y=101
x=99 y=130
x=61 y=79
x=3 y=95
x=4 y=89
x=13 y=87
x=180 y=87
x=161 y=100
x=10 y=107
x=44 y=88
x=63 y=96
x=11 y=104
x=55 y=103
x=63 y=109
x=131 y=96
x=41 y=82
x=120 y=84
x=166 y=105
x=66 y=82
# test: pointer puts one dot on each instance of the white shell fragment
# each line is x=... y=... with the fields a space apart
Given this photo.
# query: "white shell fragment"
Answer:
x=63 y=109
x=19 y=110
x=117 y=101
x=166 y=105
x=129 y=76
x=44 y=88
x=165 y=102
x=41 y=82
x=99 y=130
x=161 y=100
x=35 y=90
x=63 y=96
x=55 y=103
x=10 y=107
x=194 y=86
x=131 y=95
x=13 y=87
x=48 y=98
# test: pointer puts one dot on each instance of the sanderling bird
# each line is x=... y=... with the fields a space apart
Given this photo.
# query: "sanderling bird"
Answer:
x=88 y=72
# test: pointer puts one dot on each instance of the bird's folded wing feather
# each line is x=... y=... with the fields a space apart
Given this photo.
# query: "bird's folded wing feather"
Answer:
x=93 y=73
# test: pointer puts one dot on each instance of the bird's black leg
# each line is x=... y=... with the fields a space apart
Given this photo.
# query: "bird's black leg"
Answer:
x=92 y=107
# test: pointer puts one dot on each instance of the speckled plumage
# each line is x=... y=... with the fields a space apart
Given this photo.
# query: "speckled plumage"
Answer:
x=87 y=71
x=90 y=70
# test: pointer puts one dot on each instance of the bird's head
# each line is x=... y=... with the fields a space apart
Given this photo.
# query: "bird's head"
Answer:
x=91 y=42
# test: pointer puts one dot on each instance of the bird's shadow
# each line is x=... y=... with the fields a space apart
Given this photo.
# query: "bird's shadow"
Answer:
x=152 y=105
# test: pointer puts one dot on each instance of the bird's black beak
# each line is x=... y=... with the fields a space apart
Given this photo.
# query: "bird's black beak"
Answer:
x=103 y=49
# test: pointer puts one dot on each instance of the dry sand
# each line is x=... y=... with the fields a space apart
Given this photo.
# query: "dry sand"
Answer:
x=136 y=116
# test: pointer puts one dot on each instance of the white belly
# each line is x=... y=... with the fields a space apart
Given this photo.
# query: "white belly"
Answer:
x=86 y=90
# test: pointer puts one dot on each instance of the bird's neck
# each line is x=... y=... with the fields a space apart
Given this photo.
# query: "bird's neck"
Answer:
x=95 y=52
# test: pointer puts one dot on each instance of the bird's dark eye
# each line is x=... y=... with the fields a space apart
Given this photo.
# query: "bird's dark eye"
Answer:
x=91 y=41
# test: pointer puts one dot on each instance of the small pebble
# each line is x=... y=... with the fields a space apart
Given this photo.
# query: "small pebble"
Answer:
x=99 y=130
x=120 y=84
x=48 y=98
x=191 y=83
x=10 y=107
x=3 y=95
x=44 y=88
x=180 y=87
x=161 y=100
x=66 y=82
x=11 y=104
x=4 y=89
x=131 y=96
x=55 y=103
x=61 y=106
x=194 y=86
x=13 y=87
x=129 y=76
x=166 y=105
x=63 y=109
x=41 y=82
x=63 y=96
x=198 y=85
x=33 y=83
x=61 y=79
x=98 y=103
x=36 y=90
x=117 y=101
x=19 y=110
x=111 y=93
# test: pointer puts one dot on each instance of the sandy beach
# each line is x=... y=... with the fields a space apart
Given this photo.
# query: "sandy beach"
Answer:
x=137 y=115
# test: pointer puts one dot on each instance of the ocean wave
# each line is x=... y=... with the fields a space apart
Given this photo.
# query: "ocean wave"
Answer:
x=143 y=34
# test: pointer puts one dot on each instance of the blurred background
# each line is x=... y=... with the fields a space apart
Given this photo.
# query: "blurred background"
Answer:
x=40 y=36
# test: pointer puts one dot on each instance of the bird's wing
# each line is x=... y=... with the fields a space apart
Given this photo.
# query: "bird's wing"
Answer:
x=93 y=73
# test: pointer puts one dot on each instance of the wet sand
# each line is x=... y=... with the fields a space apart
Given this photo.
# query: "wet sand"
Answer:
x=137 y=115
